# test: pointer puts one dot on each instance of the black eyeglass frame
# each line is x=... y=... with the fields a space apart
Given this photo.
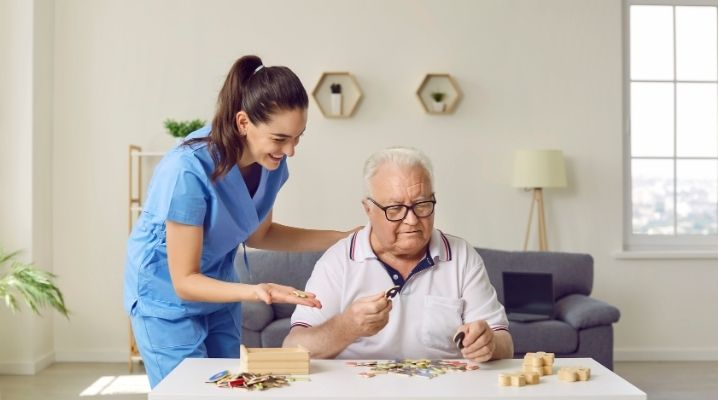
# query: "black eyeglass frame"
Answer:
x=406 y=208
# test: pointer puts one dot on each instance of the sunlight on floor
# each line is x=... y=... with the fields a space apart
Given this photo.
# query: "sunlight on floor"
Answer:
x=122 y=384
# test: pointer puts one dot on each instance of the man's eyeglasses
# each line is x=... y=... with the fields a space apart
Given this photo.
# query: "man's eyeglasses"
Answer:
x=396 y=213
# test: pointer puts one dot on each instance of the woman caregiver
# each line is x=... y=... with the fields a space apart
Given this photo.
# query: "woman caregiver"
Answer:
x=206 y=197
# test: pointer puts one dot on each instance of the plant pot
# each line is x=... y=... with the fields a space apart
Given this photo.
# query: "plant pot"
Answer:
x=336 y=104
x=438 y=106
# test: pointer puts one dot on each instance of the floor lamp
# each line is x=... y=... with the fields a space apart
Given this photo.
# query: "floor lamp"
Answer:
x=538 y=169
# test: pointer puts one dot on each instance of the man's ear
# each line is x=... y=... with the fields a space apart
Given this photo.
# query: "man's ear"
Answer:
x=242 y=120
x=365 y=206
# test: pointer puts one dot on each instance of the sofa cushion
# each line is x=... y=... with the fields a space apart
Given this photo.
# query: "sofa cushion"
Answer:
x=273 y=335
x=551 y=336
x=255 y=315
x=583 y=312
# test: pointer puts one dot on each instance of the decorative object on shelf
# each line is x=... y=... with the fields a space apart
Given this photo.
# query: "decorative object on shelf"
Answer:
x=336 y=98
x=337 y=94
x=538 y=169
x=34 y=285
x=438 y=104
x=180 y=129
x=438 y=94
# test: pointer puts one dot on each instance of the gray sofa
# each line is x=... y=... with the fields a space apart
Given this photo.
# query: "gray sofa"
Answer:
x=582 y=326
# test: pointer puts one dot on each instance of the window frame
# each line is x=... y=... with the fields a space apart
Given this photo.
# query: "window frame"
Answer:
x=643 y=242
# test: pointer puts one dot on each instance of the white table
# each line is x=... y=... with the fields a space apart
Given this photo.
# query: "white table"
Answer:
x=333 y=379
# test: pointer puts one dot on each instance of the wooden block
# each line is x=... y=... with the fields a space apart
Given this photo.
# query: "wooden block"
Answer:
x=534 y=370
x=567 y=375
x=504 y=380
x=548 y=358
x=584 y=374
x=539 y=359
x=547 y=370
x=573 y=374
x=532 y=378
x=518 y=379
x=536 y=361
x=274 y=360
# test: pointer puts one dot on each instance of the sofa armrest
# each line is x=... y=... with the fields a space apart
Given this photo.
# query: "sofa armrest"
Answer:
x=256 y=315
x=581 y=311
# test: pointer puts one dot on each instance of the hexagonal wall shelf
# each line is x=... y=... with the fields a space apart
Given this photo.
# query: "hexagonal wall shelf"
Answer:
x=337 y=94
x=438 y=94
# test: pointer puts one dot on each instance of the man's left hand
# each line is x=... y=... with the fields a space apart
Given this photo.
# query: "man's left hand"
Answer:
x=479 y=344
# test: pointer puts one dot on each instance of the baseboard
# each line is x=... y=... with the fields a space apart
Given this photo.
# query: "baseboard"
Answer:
x=27 y=368
x=92 y=355
x=694 y=354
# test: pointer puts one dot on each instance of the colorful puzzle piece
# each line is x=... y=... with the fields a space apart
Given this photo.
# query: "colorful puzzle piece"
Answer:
x=249 y=381
x=423 y=368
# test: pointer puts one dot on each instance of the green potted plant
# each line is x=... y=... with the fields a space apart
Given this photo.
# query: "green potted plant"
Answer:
x=180 y=129
x=438 y=105
x=34 y=285
x=336 y=99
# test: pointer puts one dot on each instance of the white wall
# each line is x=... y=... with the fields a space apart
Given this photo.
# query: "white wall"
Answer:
x=541 y=73
x=26 y=32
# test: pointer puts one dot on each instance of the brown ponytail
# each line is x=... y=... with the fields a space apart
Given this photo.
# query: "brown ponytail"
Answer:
x=258 y=92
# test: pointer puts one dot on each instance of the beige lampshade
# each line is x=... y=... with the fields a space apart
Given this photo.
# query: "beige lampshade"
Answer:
x=539 y=169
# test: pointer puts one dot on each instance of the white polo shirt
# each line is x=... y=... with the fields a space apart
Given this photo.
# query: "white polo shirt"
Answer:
x=448 y=288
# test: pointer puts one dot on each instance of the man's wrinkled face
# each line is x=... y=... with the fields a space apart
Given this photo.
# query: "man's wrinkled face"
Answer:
x=394 y=185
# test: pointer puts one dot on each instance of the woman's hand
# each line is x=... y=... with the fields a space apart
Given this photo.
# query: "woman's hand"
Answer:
x=273 y=293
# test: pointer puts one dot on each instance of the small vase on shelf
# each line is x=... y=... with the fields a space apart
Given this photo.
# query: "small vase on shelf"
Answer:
x=336 y=99
x=438 y=105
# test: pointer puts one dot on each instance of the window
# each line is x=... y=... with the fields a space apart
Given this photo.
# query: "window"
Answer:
x=672 y=114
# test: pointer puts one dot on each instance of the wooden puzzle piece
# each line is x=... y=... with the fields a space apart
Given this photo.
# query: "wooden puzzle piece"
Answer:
x=540 y=363
x=573 y=374
x=539 y=359
x=541 y=371
x=518 y=378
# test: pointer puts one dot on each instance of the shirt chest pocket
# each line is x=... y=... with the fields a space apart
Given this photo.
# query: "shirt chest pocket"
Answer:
x=441 y=317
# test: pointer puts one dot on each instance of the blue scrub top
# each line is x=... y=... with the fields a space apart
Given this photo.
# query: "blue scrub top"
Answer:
x=181 y=191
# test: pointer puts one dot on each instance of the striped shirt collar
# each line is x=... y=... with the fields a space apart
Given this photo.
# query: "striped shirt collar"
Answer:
x=360 y=246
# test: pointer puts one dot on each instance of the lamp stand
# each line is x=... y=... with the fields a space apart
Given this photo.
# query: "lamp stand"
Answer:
x=537 y=198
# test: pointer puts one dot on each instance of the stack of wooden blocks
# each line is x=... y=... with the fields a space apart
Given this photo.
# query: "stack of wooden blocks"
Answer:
x=539 y=363
x=535 y=365
x=277 y=361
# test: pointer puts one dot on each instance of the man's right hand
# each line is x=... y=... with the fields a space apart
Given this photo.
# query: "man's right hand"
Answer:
x=368 y=315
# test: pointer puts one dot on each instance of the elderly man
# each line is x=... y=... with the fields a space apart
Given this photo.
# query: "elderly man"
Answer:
x=445 y=306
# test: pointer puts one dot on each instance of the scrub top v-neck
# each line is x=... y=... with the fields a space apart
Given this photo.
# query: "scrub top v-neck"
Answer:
x=181 y=190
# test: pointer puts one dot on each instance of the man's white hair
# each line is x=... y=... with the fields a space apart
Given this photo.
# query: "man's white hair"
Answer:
x=399 y=156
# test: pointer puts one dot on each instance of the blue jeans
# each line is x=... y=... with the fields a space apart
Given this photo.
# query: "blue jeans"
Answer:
x=164 y=343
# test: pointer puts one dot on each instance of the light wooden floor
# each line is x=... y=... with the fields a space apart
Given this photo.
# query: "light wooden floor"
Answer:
x=672 y=380
x=64 y=381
